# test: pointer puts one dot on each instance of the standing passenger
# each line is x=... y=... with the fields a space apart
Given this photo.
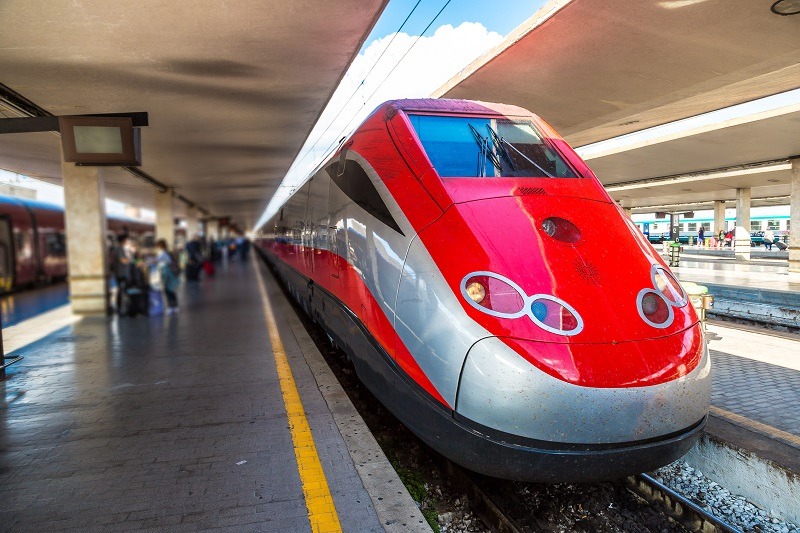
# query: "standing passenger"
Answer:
x=194 y=258
x=121 y=268
x=701 y=236
x=167 y=269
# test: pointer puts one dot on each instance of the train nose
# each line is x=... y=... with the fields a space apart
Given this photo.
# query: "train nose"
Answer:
x=500 y=390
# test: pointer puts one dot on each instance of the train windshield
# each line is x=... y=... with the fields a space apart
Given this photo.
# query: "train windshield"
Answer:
x=488 y=147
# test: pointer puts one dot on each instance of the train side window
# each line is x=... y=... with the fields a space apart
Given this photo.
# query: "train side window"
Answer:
x=55 y=244
x=355 y=183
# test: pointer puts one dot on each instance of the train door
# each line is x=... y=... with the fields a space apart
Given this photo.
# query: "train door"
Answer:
x=6 y=255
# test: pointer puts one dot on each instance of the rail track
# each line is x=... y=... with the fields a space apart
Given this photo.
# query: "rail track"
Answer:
x=689 y=515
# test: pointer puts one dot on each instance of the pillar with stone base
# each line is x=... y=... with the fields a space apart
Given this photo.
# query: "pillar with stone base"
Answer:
x=212 y=229
x=165 y=218
x=794 y=220
x=719 y=219
x=85 y=220
x=741 y=235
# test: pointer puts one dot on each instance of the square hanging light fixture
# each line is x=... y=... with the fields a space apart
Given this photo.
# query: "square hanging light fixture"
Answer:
x=100 y=141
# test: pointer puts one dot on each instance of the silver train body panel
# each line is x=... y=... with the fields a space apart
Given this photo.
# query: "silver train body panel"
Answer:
x=501 y=390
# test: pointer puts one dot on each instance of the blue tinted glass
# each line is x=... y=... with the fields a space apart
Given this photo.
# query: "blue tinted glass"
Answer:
x=487 y=147
x=450 y=145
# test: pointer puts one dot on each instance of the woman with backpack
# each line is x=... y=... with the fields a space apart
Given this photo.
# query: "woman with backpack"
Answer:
x=169 y=271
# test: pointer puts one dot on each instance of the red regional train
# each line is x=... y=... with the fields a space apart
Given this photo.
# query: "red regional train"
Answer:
x=459 y=252
x=33 y=245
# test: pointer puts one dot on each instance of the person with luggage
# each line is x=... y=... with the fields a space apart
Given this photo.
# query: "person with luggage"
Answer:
x=194 y=258
x=169 y=272
x=135 y=287
x=120 y=262
x=769 y=239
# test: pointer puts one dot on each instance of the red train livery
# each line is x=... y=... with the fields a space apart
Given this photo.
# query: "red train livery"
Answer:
x=460 y=252
x=33 y=245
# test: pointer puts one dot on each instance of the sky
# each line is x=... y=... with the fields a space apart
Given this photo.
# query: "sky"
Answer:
x=501 y=17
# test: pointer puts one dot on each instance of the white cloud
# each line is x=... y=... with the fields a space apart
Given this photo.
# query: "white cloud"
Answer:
x=429 y=64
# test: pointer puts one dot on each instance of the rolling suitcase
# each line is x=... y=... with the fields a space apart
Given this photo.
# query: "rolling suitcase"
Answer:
x=208 y=268
x=137 y=301
x=780 y=245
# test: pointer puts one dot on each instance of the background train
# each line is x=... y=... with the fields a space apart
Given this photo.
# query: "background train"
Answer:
x=761 y=219
x=459 y=253
x=33 y=244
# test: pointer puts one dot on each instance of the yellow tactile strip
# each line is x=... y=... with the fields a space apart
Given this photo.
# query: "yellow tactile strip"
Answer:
x=319 y=502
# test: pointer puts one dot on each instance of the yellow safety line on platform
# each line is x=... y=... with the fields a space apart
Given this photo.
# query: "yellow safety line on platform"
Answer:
x=756 y=426
x=319 y=502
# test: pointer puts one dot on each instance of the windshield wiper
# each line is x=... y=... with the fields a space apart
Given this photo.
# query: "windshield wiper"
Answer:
x=501 y=141
x=485 y=153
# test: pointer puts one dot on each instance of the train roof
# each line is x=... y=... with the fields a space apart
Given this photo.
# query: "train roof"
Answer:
x=439 y=105
x=5 y=199
x=38 y=204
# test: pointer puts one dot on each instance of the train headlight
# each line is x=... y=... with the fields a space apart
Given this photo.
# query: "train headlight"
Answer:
x=555 y=315
x=498 y=296
x=654 y=309
x=493 y=294
x=668 y=286
x=476 y=292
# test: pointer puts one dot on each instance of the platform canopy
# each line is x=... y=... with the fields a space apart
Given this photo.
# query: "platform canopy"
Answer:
x=232 y=88
x=598 y=69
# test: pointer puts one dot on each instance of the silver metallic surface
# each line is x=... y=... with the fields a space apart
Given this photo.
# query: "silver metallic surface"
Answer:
x=503 y=391
x=432 y=323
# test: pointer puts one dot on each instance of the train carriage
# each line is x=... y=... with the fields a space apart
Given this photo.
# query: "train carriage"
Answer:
x=456 y=250
x=33 y=245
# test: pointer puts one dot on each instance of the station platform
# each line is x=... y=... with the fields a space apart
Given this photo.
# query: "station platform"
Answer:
x=756 y=391
x=761 y=291
x=223 y=417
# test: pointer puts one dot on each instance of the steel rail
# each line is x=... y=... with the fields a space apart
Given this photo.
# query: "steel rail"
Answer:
x=678 y=507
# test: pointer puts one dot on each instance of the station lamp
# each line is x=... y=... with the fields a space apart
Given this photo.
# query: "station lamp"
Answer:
x=100 y=141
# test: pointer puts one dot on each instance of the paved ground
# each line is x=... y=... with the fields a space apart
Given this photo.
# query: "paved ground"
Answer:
x=166 y=423
x=756 y=375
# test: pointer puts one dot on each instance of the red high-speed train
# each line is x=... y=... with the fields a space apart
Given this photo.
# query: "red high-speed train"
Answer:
x=493 y=296
x=33 y=246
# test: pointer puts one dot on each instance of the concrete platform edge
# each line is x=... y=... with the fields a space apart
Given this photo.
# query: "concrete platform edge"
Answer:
x=727 y=455
x=393 y=504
